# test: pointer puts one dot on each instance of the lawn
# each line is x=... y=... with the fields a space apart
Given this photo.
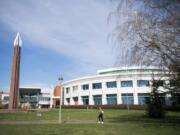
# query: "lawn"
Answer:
x=117 y=122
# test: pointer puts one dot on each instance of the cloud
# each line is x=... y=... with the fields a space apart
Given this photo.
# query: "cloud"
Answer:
x=77 y=29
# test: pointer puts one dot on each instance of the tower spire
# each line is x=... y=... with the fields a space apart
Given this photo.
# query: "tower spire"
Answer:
x=15 y=76
x=18 y=41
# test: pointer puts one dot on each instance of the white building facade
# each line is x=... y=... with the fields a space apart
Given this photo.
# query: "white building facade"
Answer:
x=123 y=85
x=4 y=98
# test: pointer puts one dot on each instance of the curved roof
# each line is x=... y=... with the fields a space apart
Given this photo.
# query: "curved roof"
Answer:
x=118 y=71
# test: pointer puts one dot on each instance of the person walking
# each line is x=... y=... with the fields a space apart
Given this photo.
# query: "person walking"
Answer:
x=100 y=116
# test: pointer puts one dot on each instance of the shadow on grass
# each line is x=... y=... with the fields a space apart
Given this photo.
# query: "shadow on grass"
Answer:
x=144 y=119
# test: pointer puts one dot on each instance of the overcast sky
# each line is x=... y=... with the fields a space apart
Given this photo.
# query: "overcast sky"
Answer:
x=60 y=37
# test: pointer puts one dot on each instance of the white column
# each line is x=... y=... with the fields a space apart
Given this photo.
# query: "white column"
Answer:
x=168 y=99
x=135 y=94
x=79 y=100
x=51 y=97
x=65 y=101
x=70 y=95
x=91 y=102
x=119 y=99
x=104 y=101
x=135 y=98
x=71 y=101
x=104 y=89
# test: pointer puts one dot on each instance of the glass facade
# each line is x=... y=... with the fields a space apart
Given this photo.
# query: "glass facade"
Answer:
x=163 y=98
x=27 y=98
x=96 y=85
x=126 y=83
x=97 y=100
x=142 y=98
x=41 y=98
x=85 y=87
x=111 y=84
x=6 y=98
x=85 y=100
x=112 y=99
x=128 y=98
x=143 y=83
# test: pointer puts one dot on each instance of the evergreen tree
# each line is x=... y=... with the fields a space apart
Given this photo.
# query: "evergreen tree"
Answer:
x=155 y=104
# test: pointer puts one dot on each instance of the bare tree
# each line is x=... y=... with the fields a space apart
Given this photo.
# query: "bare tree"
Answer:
x=150 y=32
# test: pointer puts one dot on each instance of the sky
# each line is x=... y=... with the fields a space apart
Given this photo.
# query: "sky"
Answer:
x=59 y=38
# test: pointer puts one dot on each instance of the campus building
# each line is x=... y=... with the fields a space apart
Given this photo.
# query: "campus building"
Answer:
x=28 y=98
x=122 y=85
x=56 y=97
x=4 y=99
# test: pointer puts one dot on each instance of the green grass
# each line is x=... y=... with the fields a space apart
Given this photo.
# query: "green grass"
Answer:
x=89 y=129
x=113 y=116
x=117 y=122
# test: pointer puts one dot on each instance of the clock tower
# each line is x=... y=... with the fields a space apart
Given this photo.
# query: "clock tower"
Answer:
x=14 y=87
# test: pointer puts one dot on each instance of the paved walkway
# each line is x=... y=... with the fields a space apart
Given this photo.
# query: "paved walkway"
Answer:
x=36 y=122
x=10 y=122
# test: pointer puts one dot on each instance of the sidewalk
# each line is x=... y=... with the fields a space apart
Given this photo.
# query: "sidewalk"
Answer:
x=10 y=122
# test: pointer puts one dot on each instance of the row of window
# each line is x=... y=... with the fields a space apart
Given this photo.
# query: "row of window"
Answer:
x=6 y=98
x=111 y=84
x=112 y=99
x=44 y=98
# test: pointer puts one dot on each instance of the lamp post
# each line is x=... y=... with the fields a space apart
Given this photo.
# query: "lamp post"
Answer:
x=60 y=99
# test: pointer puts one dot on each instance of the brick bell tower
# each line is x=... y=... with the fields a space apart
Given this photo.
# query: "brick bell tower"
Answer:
x=14 y=87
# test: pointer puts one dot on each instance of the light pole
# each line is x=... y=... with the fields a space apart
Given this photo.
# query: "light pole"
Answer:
x=60 y=99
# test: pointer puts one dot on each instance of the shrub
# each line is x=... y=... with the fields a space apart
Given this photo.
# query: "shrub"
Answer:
x=155 y=104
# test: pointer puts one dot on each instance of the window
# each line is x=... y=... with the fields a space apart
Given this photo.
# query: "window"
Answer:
x=85 y=100
x=44 y=98
x=97 y=85
x=85 y=86
x=162 y=97
x=75 y=88
x=142 y=83
x=112 y=99
x=6 y=98
x=111 y=84
x=27 y=98
x=75 y=100
x=142 y=98
x=128 y=98
x=126 y=84
x=175 y=100
x=67 y=90
x=97 y=100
